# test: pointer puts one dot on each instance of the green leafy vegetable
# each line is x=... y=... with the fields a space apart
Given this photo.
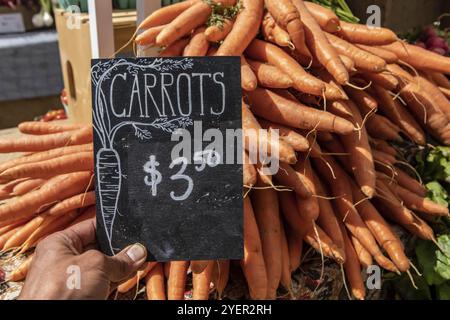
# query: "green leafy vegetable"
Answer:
x=341 y=9
x=443 y=291
x=220 y=13
x=426 y=255
x=435 y=165
x=437 y=193
x=443 y=257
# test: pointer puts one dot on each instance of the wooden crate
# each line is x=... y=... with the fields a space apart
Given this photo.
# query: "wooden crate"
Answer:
x=75 y=51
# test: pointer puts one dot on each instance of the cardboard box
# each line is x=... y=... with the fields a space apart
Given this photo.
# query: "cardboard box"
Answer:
x=75 y=52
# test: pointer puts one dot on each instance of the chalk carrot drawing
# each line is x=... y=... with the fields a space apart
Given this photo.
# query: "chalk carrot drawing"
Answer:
x=108 y=168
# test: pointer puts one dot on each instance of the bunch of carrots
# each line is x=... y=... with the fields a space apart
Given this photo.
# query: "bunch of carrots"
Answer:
x=338 y=94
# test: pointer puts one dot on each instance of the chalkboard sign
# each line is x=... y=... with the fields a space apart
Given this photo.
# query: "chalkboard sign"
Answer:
x=168 y=156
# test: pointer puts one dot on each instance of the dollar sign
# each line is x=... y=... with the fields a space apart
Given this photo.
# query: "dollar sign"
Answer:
x=155 y=175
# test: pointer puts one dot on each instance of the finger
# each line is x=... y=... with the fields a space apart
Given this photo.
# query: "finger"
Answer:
x=80 y=236
x=125 y=263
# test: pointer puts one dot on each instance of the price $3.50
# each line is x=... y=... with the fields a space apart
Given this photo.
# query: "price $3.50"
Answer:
x=154 y=177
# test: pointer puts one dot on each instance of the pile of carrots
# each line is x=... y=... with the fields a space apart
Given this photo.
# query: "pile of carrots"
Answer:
x=338 y=93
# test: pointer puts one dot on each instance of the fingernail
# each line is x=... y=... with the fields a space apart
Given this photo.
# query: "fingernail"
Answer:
x=137 y=252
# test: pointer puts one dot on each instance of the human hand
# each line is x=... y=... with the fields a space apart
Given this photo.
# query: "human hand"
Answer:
x=64 y=267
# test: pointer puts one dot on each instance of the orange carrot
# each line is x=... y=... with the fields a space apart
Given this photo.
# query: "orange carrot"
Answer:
x=307 y=207
x=327 y=219
x=11 y=226
x=43 y=128
x=253 y=134
x=154 y=283
x=386 y=55
x=383 y=79
x=191 y=18
x=220 y=276
x=360 y=154
x=244 y=30
x=78 y=201
x=295 y=180
x=20 y=273
x=253 y=264
x=289 y=210
x=175 y=49
x=321 y=48
x=274 y=33
x=382 y=128
x=440 y=79
x=364 y=101
x=295 y=246
x=326 y=18
x=201 y=283
x=7 y=235
x=27 y=186
x=438 y=97
x=381 y=230
x=198 y=46
x=349 y=64
x=399 y=115
x=269 y=76
x=383 y=157
x=400 y=73
x=47 y=142
x=414 y=202
x=166 y=14
x=288 y=17
x=352 y=269
x=49 y=226
x=134 y=281
x=303 y=81
x=363 y=34
x=22 y=234
x=295 y=139
x=423 y=104
x=177 y=280
x=148 y=37
x=306 y=230
x=364 y=257
x=285 y=264
x=82 y=161
x=249 y=81
x=265 y=204
x=54 y=190
x=390 y=206
x=216 y=33
x=89 y=213
x=46 y=155
x=271 y=106
x=320 y=241
x=409 y=183
x=363 y=60
x=383 y=146
x=420 y=58
x=341 y=188
x=421 y=229
x=446 y=92
x=249 y=171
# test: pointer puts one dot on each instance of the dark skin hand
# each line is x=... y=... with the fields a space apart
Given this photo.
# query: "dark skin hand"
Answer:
x=66 y=267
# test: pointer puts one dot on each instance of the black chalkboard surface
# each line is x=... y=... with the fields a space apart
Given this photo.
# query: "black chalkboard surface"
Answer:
x=161 y=176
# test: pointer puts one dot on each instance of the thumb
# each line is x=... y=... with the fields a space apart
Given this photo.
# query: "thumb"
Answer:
x=127 y=262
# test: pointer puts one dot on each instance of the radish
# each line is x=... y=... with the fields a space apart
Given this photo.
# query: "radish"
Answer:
x=436 y=42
